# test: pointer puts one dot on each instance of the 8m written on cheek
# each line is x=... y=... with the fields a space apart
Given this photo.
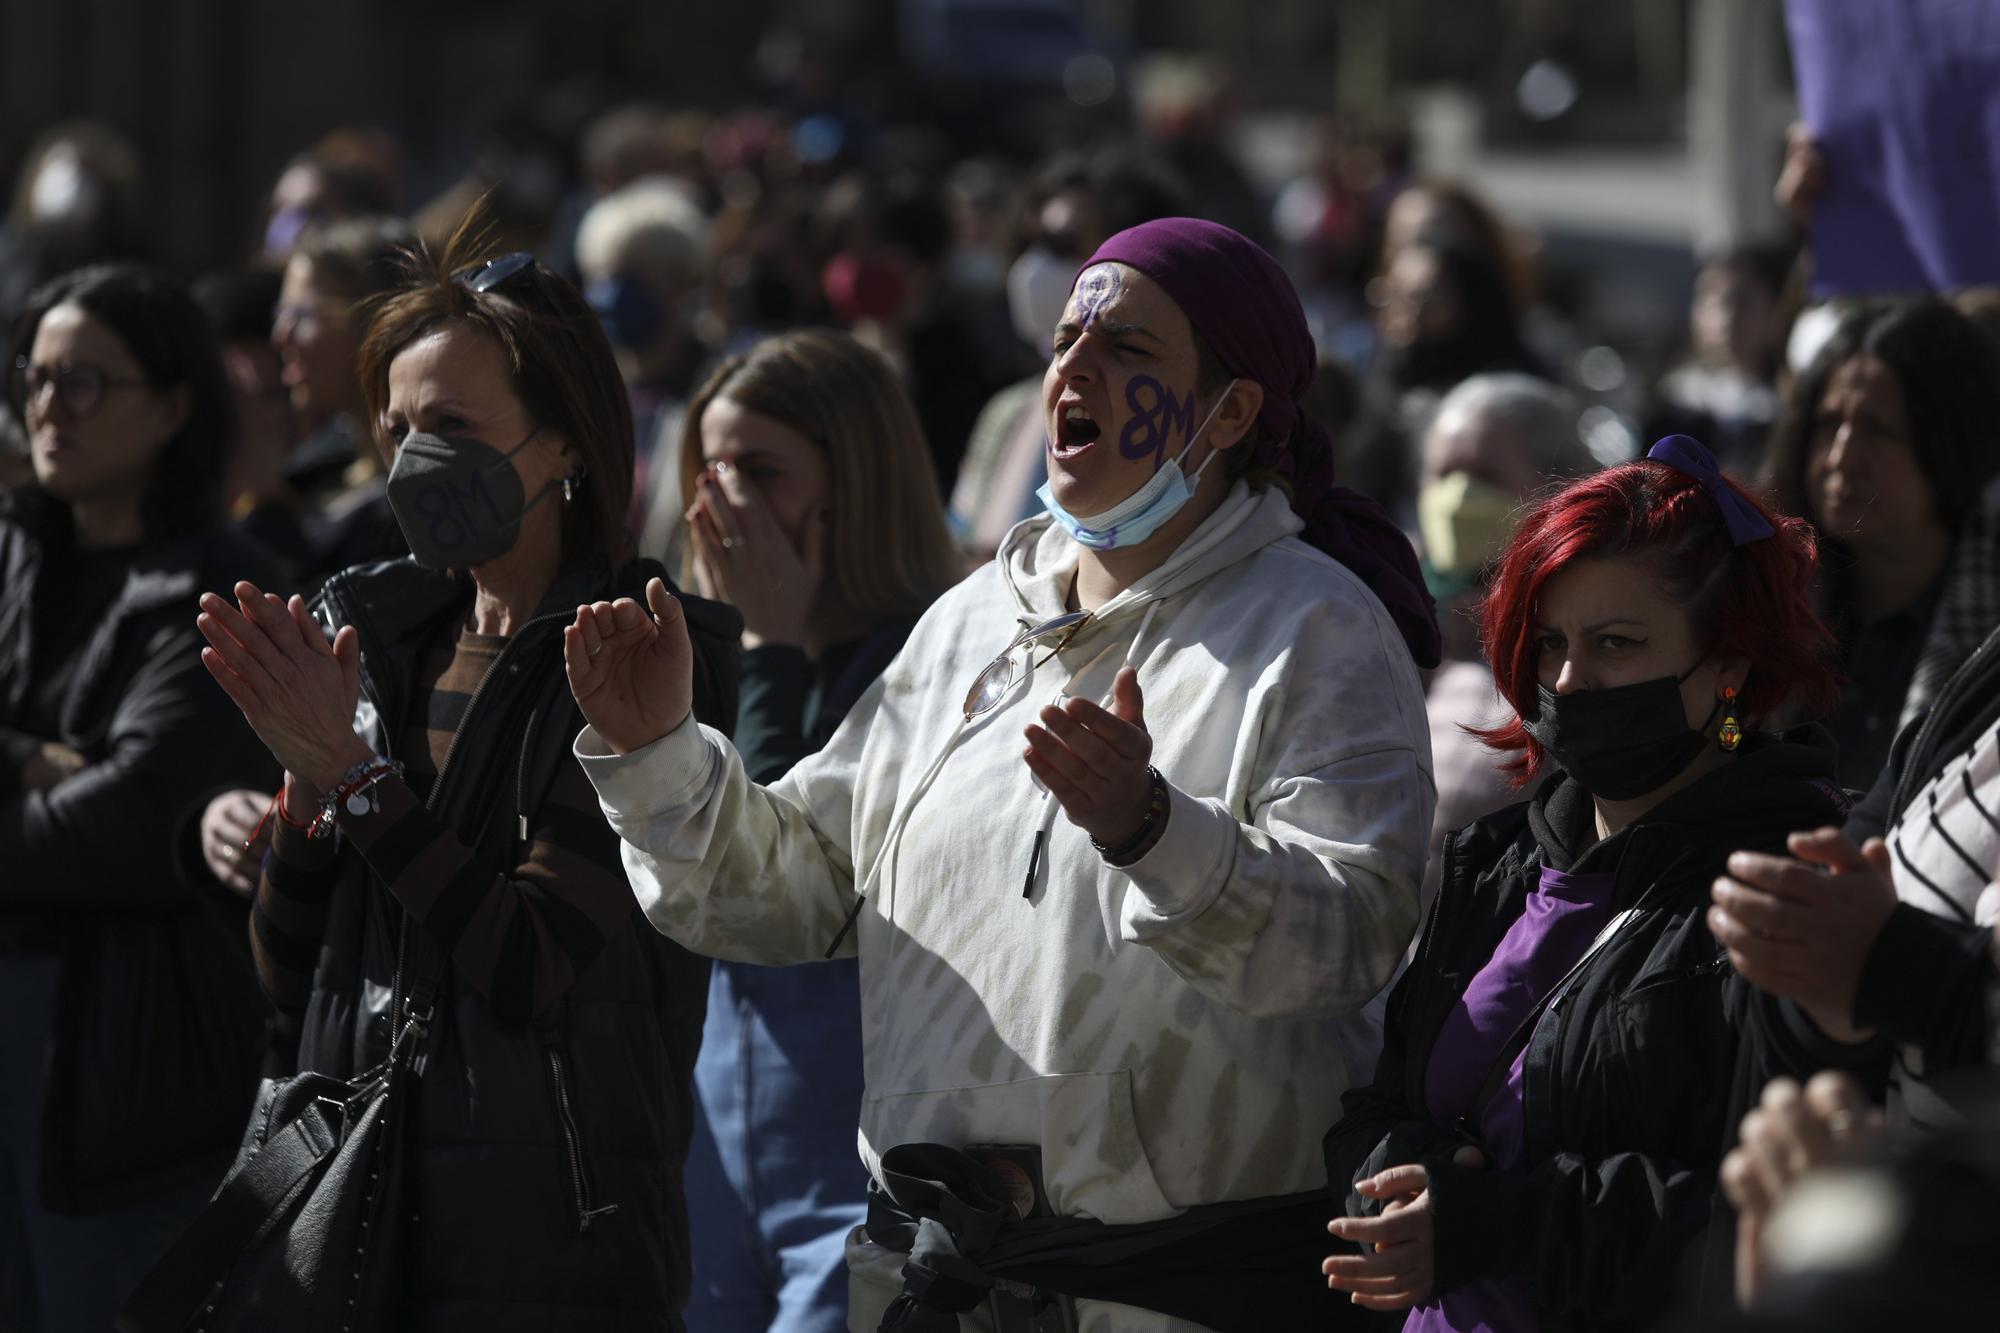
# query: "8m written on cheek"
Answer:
x=1155 y=414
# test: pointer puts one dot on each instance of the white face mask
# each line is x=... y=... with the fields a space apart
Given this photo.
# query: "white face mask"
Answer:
x=1140 y=514
x=1037 y=293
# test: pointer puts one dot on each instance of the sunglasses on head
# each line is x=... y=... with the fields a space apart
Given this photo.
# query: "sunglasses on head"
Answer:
x=498 y=273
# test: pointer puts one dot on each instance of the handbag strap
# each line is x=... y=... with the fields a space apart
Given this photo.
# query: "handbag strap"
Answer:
x=188 y=1276
x=1517 y=1040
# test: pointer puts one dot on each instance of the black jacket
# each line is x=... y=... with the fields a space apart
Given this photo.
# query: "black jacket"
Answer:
x=524 y=1130
x=1928 y=979
x=1636 y=1075
x=158 y=1021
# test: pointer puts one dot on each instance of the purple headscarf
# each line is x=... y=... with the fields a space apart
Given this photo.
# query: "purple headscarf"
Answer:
x=1244 y=308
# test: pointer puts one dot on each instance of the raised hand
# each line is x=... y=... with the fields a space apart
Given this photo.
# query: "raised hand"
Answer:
x=296 y=690
x=742 y=556
x=632 y=674
x=1802 y=928
x=1095 y=760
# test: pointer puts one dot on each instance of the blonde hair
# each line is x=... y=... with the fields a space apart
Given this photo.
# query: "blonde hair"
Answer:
x=888 y=552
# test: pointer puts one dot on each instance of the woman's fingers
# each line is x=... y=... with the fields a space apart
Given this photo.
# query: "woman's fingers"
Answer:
x=1765 y=915
x=1743 y=1183
x=267 y=611
x=243 y=632
x=1839 y=1104
x=666 y=608
x=1738 y=936
x=1071 y=797
x=629 y=618
x=590 y=635
x=1131 y=742
x=1408 y=1179
x=1387 y=1229
x=1827 y=847
x=1800 y=1136
x=234 y=656
x=240 y=692
x=723 y=514
x=1390 y=1262
x=1061 y=758
x=1090 y=750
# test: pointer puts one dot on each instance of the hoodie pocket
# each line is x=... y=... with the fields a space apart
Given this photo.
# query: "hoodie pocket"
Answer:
x=1094 y=1163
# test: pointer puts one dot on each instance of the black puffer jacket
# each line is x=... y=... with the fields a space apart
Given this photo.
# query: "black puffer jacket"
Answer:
x=159 y=1021
x=523 y=1130
x=1636 y=1075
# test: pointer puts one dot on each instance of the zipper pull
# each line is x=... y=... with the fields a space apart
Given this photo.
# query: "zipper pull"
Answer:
x=524 y=828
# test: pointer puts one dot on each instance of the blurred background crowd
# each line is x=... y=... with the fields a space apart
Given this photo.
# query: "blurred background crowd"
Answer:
x=1531 y=236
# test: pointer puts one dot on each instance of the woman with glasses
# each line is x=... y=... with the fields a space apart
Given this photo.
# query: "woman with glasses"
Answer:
x=815 y=514
x=129 y=1017
x=1138 y=812
x=334 y=475
x=433 y=823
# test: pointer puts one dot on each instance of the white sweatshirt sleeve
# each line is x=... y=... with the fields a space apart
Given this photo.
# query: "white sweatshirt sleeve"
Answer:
x=720 y=865
x=1296 y=893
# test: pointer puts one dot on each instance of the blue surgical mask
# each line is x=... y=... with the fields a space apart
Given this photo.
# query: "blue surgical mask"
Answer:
x=1140 y=514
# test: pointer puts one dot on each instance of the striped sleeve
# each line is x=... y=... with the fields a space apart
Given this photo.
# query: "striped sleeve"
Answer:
x=294 y=895
x=520 y=937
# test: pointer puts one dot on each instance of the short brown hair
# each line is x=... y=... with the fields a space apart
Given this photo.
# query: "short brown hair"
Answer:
x=559 y=363
x=889 y=554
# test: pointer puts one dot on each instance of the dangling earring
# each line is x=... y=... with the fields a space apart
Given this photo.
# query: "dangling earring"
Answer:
x=569 y=490
x=1730 y=734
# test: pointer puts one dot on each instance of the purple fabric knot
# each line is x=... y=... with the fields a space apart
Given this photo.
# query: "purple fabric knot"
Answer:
x=1686 y=454
x=1243 y=306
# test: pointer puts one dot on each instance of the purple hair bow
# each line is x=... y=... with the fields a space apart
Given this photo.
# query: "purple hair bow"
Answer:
x=1686 y=454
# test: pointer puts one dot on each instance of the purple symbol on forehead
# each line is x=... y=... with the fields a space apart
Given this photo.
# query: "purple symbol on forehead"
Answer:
x=1095 y=290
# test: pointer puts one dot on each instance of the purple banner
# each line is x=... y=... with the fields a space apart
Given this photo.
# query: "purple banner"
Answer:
x=1904 y=98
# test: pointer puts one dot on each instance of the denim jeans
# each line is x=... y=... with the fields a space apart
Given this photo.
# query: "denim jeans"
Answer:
x=774 y=1179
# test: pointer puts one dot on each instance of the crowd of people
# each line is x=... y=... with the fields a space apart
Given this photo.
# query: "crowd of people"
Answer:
x=536 y=724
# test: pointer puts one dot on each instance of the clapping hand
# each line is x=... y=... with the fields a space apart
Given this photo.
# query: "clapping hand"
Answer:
x=1095 y=760
x=742 y=556
x=1802 y=929
x=632 y=673
x=296 y=690
x=1788 y=1134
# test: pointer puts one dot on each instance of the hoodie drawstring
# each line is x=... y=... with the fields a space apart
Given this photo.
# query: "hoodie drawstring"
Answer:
x=1047 y=821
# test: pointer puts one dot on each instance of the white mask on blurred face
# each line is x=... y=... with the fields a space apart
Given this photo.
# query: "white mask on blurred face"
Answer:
x=1037 y=291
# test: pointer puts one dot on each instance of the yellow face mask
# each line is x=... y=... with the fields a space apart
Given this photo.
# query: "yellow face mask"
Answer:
x=1464 y=522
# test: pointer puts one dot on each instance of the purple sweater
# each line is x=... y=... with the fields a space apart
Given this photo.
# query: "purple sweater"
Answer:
x=1556 y=927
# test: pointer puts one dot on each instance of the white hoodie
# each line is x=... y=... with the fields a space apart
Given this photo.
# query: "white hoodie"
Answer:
x=1164 y=1032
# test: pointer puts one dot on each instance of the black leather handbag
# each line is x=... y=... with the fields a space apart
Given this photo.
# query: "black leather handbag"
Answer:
x=308 y=1228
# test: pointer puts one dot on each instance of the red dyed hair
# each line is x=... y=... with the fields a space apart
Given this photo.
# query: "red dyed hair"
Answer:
x=1752 y=601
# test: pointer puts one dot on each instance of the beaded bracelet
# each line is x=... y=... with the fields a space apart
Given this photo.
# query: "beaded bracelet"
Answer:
x=1157 y=800
x=355 y=793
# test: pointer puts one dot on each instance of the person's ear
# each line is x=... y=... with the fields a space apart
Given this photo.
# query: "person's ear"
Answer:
x=175 y=407
x=1236 y=414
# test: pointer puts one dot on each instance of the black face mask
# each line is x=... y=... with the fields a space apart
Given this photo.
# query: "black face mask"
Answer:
x=1622 y=742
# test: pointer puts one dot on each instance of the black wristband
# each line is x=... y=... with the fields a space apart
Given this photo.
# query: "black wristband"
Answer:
x=1156 y=810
